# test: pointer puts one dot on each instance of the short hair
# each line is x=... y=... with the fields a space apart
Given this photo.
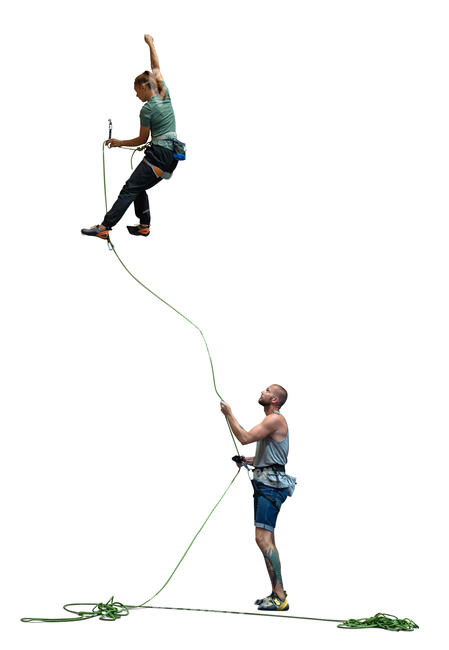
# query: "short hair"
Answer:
x=280 y=393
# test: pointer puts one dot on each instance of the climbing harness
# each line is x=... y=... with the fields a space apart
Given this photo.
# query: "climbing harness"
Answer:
x=179 y=151
x=179 y=148
x=113 y=610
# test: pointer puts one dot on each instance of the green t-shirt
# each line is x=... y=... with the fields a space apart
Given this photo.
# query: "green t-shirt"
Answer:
x=157 y=113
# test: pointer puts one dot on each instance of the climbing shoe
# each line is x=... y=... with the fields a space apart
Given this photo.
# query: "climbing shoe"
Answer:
x=139 y=229
x=259 y=601
x=274 y=604
x=96 y=231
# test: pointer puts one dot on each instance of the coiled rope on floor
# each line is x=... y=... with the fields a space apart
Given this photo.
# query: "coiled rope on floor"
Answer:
x=113 y=610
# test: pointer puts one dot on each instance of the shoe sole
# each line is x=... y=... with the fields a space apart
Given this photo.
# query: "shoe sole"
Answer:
x=99 y=235
x=275 y=609
x=137 y=234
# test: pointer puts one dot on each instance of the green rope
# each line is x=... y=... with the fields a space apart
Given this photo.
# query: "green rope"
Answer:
x=112 y=247
x=384 y=621
x=228 y=611
x=189 y=546
x=109 y=611
x=113 y=610
x=104 y=179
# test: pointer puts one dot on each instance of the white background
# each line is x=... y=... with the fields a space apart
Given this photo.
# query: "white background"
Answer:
x=306 y=234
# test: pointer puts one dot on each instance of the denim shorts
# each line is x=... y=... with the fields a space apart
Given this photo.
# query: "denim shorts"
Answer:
x=267 y=503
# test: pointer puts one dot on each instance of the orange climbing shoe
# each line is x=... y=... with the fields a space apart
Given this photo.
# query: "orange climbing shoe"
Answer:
x=139 y=229
x=96 y=231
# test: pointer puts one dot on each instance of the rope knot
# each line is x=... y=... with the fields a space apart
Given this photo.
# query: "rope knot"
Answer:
x=111 y=610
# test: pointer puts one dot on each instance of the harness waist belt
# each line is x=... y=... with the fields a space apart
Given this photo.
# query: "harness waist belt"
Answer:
x=166 y=137
x=275 y=467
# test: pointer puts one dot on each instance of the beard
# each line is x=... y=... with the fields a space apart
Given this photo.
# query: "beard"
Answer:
x=264 y=402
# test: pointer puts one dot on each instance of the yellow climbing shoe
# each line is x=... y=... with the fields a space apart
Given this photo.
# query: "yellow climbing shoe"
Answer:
x=274 y=604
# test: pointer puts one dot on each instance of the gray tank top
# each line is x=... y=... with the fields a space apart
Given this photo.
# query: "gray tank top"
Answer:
x=269 y=452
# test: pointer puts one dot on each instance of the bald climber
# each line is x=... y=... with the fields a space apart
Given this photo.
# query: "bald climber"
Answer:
x=271 y=484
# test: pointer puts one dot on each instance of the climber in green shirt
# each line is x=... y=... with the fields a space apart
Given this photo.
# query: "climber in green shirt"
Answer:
x=156 y=117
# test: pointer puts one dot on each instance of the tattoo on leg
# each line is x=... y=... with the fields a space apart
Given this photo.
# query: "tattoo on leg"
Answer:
x=274 y=566
x=270 y=572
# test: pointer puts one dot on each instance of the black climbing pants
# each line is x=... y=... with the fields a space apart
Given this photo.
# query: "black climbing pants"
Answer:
x=142 y=179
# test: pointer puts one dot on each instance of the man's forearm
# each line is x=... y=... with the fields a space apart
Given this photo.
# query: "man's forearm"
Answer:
x=238 y=430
